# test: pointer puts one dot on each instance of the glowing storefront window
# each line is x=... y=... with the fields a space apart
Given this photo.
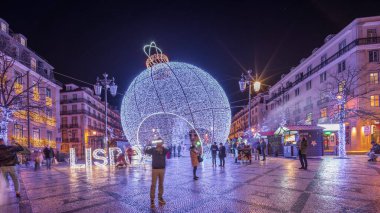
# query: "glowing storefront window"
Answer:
x=374 y=100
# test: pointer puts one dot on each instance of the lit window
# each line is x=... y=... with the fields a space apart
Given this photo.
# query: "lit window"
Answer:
x=373 y=56
x=309 y=118
x=33 y=64
x=374 y=100
x=18 y=132
x=341 y=86
x=22 y=41
x=323 y=112
x=3 y=27
x=374 y=78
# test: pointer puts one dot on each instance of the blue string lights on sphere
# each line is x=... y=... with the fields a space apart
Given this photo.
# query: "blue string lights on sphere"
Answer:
x=169 y=99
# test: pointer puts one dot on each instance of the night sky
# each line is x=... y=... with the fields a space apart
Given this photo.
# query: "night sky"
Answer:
x=224 y=38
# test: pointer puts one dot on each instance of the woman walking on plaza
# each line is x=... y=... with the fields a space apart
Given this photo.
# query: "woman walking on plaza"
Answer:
x=263 y=147
x=38 y=160
x=194 y=160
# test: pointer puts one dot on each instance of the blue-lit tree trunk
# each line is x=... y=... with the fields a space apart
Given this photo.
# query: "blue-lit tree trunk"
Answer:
x=342 y=131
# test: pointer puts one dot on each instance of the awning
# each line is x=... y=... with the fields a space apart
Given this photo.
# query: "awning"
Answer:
x=329 y=127
x=270 y=133
x=282 y=130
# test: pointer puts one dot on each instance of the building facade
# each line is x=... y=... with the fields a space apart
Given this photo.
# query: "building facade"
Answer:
x=301 y=96
x=240 y=122
x=83 y=120
x=31 y=78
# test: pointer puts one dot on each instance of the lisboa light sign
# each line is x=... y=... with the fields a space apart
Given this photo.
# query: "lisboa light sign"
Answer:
x=102 y=160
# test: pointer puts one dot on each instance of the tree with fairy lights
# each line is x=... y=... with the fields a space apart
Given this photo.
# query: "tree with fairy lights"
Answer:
x=348 y=95
x=17 y=99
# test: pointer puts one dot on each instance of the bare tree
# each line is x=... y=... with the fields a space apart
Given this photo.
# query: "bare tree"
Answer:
x=348 y=94
x=16 y=98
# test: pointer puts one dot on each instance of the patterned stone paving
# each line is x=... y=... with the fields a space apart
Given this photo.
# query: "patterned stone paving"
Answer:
x=277 y=185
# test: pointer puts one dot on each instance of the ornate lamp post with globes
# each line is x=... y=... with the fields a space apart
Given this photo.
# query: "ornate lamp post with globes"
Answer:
x=249 y=80
x=107 y=84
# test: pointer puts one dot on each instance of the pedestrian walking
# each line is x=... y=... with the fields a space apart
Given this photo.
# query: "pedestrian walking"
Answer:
x=38 y=160
x=174 y=150
x=302 y=150
x=8 y=161
x=247 y=153
x=158 y=171
x=130 y=154
x=170 y=151
x=214 y=150
x=194 y=160
x=236 y=151
x=256 y=150
x=49 y=155
x=222 y=155
x=263 y=146
x=120 y=161
x=179 y=150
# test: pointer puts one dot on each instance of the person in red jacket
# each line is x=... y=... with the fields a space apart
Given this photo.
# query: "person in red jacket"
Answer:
x=130 y=154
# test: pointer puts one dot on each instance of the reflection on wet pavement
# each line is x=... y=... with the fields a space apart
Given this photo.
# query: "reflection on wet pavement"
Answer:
x=277 y=185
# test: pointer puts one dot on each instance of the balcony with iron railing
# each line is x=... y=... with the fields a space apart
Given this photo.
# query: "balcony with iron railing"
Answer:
x=67 y=140
x=82 y=100
x=336 y=55
x=98 y=129
x=93 y=115
x=67 y=126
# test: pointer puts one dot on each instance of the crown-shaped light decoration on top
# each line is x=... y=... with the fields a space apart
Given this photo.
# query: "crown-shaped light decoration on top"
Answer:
x=155 y=55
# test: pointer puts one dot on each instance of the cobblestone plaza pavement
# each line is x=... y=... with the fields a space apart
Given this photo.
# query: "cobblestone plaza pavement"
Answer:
x=277 y=185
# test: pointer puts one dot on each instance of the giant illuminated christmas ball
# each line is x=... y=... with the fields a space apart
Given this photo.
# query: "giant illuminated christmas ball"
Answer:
x=169 y=99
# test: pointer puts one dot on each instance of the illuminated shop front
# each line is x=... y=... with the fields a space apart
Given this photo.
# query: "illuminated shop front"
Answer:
x=330 y=137
x=293 y=134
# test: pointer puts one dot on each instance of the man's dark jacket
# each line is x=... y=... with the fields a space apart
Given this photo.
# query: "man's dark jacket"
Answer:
x=214 y=149
x=158 y=158
x=8 y=155
x=222 y=152
x=49 y=153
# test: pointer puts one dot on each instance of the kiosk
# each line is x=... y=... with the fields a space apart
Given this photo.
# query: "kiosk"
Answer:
x=292 y=134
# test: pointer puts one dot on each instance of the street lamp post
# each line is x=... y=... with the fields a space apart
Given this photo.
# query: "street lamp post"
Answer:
x=249 y=80
x=107 y=84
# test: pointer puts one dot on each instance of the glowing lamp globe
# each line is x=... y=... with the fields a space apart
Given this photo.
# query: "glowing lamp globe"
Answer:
x=175 y=98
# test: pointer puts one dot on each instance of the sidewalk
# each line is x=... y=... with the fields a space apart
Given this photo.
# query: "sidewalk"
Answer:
x=276 y=185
